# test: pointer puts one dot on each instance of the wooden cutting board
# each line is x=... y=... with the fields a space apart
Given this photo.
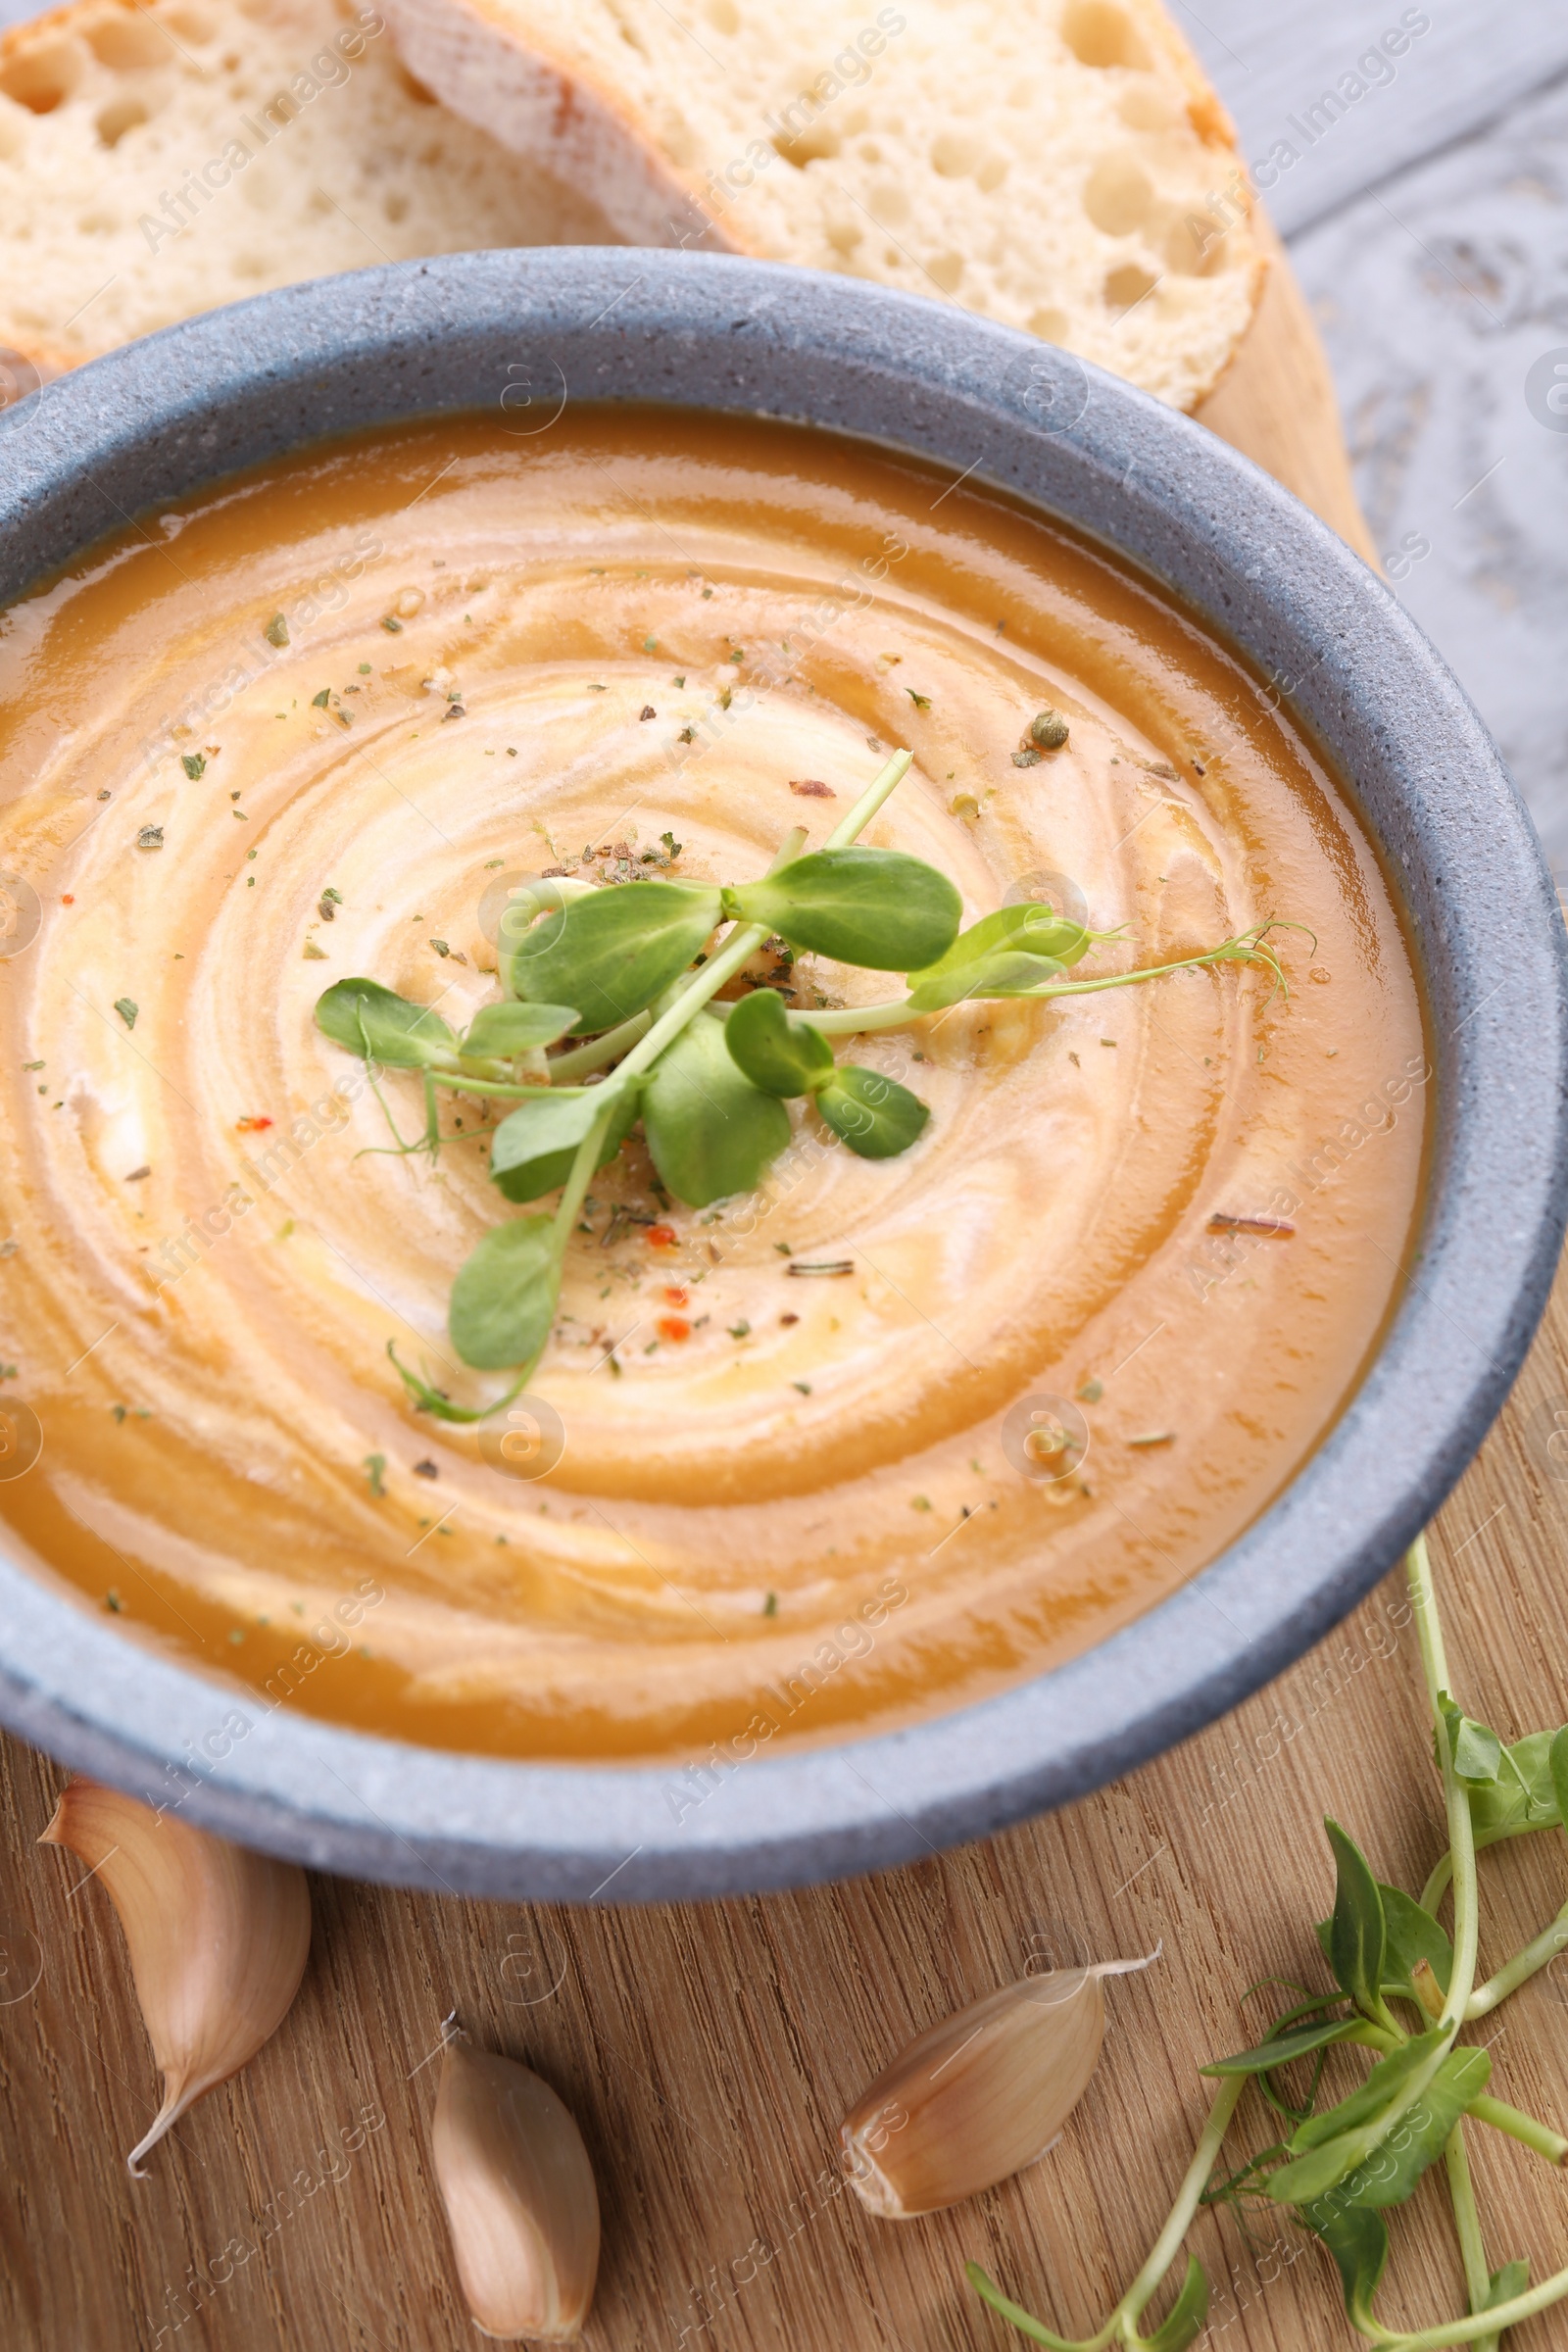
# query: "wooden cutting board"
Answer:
x=710 y=2051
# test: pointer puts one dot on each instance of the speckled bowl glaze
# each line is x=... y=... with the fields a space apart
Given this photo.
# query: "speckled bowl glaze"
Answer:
x=156 y=419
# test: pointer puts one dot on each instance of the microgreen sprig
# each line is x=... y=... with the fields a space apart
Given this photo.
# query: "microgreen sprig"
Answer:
x=632 y=973
x=1343 y=2168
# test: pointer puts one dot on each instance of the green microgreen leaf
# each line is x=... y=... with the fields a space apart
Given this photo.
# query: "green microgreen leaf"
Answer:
x=1357 y=1932
x=532 y=1149
x=1476 y=1750
x=1008 y=973
x=1187 y=2317
x=379 y=1025
x=1031 y=928
x=874 y=1115
x=503 y=1299
x=1505 y=2284
x=613 y=950
x=501 y=1032
x=1414 y=1936
x=1278 y=2049
x=1329 y=2147
x=782 y=1056
x=1524 y=1794
x=879 y=909
x=1558 y=1768
x=1390 y=2173
x=1381 y=2089
x=1358 y=2240
x=710 y=1130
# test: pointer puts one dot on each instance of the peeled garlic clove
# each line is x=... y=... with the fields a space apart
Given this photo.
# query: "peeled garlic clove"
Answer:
x=518 y=2191
x=217 y=1936
x=978 y=2097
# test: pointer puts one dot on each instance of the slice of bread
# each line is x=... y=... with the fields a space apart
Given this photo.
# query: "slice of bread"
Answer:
x=156 y=160
x=1059 y=164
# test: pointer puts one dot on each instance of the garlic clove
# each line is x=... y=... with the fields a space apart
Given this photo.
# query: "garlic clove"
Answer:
x=217 y=1936
x=520 y=2197
x=978 y=2097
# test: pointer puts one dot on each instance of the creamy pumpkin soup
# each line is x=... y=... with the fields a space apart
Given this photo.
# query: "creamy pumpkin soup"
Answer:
x=884 y=1429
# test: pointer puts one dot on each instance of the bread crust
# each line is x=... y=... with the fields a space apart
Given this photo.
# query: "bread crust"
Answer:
x=544 y=104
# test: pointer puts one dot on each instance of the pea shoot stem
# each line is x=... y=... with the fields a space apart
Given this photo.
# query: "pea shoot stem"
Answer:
x=1466 y=2220
x=1484 y=2328
x=1461 y=1831
x=599 y=1050
x=1433 y=1891
x=1179 y=2221
x=1121 y=2326
x=1526 y=2128
x=1539 y=1953
x=881 y=788
x=740 y=945
x=853 y=1021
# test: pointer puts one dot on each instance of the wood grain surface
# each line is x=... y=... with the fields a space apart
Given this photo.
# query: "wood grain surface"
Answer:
x=710 y=2051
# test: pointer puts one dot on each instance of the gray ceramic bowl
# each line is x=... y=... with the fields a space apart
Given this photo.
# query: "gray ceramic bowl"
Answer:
x=154 y=420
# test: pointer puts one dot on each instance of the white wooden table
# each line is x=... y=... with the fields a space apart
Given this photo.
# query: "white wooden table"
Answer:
x=1428 y=221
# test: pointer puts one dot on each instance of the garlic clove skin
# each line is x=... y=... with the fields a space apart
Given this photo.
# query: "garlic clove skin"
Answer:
x=520 y=2197
x=218 y=1937
x=978 y=2097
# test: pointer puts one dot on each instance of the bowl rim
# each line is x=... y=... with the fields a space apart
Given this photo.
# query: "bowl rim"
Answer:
x=210 y=395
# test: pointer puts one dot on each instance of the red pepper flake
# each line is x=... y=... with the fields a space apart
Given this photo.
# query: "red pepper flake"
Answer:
x=674 y=1327
x=676 y=1293
x=662 y=1237
x=68 y=900
x=251 y=1126
x=812 y=787
x=1274 y=1229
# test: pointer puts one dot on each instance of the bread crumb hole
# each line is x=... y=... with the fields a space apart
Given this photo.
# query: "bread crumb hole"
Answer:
x=116 y=118
x=1052 y=326
x=191 y=24
x=890 y=202
x=990 y=174
x=1126 y=285
x=42 y=78
x=818 y=142
x=723 y=15
x=1118 y=195
x=395 y=207
x=1098 y=34
x=126 y=43
x=955 y=153
x=944 y=270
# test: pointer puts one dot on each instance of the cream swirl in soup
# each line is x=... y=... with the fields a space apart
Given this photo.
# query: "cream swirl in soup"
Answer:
x=884 y=1436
